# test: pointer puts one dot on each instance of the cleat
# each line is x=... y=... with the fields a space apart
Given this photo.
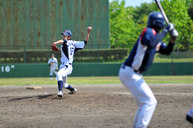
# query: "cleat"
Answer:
x=189 y=119
x=189 y=116
x=60 y=94
x=72 y=92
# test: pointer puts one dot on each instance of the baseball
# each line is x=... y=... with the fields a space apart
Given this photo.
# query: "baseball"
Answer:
x=90 y=28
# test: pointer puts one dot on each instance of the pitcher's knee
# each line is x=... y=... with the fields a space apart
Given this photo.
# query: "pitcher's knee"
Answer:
x=59 y=76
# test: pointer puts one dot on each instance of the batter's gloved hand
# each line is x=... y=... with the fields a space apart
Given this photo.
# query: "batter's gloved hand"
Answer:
x=169 y=28
x=174 y=34
x=54 y=48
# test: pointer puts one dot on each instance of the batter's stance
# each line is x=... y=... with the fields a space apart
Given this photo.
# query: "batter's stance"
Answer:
x=53 y=66
x=68 y=47
x=140 y=59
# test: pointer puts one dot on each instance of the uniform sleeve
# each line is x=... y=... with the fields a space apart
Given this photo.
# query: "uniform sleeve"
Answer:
x=150 y=38
x=146 y=36
x=49 y=61
x=56 y=61
x=80 y=44
x=166 y=49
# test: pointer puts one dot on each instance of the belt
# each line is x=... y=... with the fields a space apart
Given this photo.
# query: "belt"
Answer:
x=67 y=64
x=137 y=71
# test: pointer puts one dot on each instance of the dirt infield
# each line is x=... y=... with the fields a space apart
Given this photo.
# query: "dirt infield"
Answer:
x=94 y=106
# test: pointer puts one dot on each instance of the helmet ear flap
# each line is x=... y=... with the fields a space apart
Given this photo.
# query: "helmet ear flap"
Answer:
x=154 y=23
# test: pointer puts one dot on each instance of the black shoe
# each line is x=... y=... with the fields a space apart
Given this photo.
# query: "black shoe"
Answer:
x=189 y=119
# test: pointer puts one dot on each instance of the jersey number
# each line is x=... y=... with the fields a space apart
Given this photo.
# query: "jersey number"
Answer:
x=71 y=50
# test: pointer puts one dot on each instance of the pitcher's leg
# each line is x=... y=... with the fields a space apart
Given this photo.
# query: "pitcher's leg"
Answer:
x=60 y=86
x=60 y=75
x=67 y=86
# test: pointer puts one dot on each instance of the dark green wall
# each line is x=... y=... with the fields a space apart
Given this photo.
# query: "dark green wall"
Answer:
x=92 y=69
x=24 y=70
x=170 y=69
x=37 y=23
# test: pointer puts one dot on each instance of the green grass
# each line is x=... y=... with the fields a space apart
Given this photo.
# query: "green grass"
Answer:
x=159 y=59
x=175 y=57
x=168 y=60
x=169 y=79
x=93 y=80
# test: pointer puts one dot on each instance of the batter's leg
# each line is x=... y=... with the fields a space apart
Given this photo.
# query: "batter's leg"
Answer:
x=142 y=94
x=146 y=105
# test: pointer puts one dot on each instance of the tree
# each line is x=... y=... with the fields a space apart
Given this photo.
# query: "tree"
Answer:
x=142 y=11
x=190 y=11
x=126 y=23
x=177 y=12
x=122 y=27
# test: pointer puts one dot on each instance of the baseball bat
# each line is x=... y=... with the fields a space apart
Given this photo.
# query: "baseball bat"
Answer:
x=162 y=11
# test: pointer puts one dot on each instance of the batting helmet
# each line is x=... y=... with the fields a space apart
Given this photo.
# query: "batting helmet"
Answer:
x=156 y=20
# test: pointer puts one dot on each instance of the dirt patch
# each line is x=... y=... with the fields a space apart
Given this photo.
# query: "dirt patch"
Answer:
x=94 y=106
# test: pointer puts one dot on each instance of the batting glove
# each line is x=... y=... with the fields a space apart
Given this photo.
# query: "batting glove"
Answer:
x=174 y=34
x=169 y=28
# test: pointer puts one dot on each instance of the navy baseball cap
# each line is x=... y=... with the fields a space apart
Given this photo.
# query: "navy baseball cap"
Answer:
x=67 y=33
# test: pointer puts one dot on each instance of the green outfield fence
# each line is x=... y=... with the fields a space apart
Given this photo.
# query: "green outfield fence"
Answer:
x=35 y=24
x=85 y=55
x=92 y=69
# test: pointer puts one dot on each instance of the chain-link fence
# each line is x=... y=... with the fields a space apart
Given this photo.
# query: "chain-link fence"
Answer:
x=26 y=55
x=41 y=55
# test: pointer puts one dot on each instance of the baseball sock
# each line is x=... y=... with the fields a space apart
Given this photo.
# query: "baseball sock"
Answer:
x=70 y=88
x=60 y=85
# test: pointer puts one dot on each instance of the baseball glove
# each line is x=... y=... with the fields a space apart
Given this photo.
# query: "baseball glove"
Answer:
x=55 y=48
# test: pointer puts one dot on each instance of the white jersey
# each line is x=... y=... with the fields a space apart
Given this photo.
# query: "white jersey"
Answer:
x=53 y=62
x=67 y=50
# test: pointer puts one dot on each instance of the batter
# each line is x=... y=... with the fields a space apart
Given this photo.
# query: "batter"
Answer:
x=140 y=59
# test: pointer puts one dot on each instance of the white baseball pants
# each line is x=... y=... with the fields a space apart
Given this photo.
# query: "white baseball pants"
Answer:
x=52 y=70
x=62 y=74
x=142 y=94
